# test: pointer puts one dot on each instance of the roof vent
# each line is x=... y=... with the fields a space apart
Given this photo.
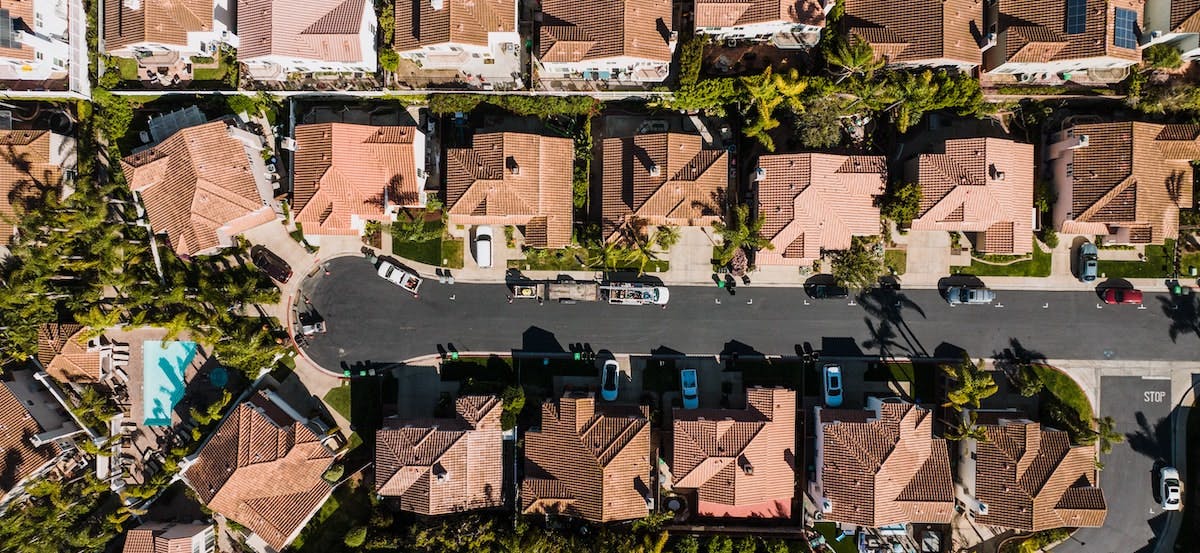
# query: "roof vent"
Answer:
x=759 y=174
x=133 y=5
x=436 y=4
x=748 y=469
x=654 y=171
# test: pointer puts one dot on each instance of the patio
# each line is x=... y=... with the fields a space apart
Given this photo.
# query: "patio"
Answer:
x=164 y=69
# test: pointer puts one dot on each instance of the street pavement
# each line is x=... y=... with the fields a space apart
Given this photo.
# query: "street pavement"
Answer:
x=1141 y=409
x=370 y=319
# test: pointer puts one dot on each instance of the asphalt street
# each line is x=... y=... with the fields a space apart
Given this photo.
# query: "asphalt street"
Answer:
x=370 y=319
x=1141 y=407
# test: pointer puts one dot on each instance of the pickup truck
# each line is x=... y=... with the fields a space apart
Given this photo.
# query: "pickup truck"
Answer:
x=570 y=291
x=404 y=279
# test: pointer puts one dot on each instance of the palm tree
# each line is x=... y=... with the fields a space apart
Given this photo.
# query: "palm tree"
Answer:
x=854 y=57
x=972 y=384
x=1107 y=435
x=743 y=233
x=968 y=429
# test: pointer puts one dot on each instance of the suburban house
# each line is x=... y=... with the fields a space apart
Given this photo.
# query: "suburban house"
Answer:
x=881 y=466
x=738 y=462
x=35 y=433
x=66 y=354
x=31 y=162
x=661 y=179
x=281 y=37
x=588 y=461
x=1057 y=38
x=35 y=39
x=141 y=28
x=472 y=37
x=979 y=186
x=443 y=466
x=171 y=537
x=263 y=468
x=1175 y=22
x=813 y=203
x=1028 y=477
x=1125 y=181
x=926 y=33
x=783 y=23
x=202 y=186
x=518 y=179
x=626 y=41
x=346 y=175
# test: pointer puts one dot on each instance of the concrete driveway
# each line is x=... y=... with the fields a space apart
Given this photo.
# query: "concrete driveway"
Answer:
x=928 y=254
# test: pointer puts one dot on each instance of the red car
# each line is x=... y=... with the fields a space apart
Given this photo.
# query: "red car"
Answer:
x=1113 y=296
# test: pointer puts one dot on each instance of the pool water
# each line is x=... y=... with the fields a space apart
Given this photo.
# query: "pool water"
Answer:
x=163 y=367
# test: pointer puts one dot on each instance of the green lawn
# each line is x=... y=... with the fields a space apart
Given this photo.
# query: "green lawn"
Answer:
x=211 y=73
x=1156 y=265
x=439 y=253
x=128 y=68
x=1037 y=266
x=896 y=260
x=349 y=506
x=1064 y=388
x=339 y=399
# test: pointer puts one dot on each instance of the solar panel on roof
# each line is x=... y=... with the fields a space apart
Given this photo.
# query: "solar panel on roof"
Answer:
x=7 y=36
x=1125 y=28
x=1076 y=16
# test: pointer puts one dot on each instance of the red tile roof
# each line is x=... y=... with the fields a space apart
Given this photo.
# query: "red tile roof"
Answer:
x=325 y=30
x=263 y=469
x=813 y=203
x=573 y=31
x=740 y=462
x=25 y=172
x=1036 y=32
x=884 y=468
x=1185 y=16
x=663 y=179
x=19 y=458
x=514 y=179
x=1032 y=479
x=1132 y=174
x=155 y=21
x=924 y=31
x=63 y=353
x=588 y=462
x=729 y=13
x=345 y=171
x=418 y=24
x=444 y=466
x=982 y=185
x=196 y=183
x=164 y=537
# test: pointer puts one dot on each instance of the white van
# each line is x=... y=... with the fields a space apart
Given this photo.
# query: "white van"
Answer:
x=483 y=246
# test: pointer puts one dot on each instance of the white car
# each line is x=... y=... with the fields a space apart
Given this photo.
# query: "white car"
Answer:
x=404 y=279
x=687 y=381
x=483 y=246
x=833 y=385
x=608 y=380
x=1170 y=489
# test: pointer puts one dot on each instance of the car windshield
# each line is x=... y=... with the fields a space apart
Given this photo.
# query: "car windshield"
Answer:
x=610 y=378
x=835 y=382
x=689 y=396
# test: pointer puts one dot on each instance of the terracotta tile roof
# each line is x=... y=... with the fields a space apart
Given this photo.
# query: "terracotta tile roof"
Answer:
x=573 y=31
x=21 y=12
x=445 y=465
x=194 y=183
x=345 y=170
x=263 y=469
x=325 y=30
x=63 y=353
x=925 y=30
x=816 y=202
x=514 y=179
x=588 y=462
x=1036 y=32
x=24 y=169
x=740 y=462
x=728 y=13
x=982 y=185
x=665 y=179
x=1185 y=16
x=155 y=21
x=19 y=458
x=163 y=537
x=1132 y=174
x=458 y=22
x=886 y=467
x=1033 y=479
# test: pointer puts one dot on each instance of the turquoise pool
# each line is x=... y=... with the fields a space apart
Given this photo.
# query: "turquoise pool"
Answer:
x=163 y=367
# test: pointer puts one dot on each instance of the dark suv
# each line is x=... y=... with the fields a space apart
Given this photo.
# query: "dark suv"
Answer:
x=272 y=264
x=826 y=291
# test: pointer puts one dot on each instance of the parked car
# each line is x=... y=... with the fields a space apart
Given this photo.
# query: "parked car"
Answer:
x=687 y=381
x=825 y=291
x=833 y=385
x=1113 y=296
x=399 y=277
x=269 y=263
x=483 y=246
x=1170 y=489
x=1089 y=261
x=608 y=380
x=971 y=295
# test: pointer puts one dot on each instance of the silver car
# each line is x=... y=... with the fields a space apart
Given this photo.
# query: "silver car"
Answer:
x=969 y=295
x=1089 y=262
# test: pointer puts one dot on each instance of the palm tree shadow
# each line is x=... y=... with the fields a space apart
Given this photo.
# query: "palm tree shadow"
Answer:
x=888 y=306
x=1152 y=441
x=1182 y=311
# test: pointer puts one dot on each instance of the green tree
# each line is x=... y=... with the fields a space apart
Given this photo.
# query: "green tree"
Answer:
x=1107 y=435
x=356 y=536
x=1162 y=56
x=691 y=55
x=1028 y=382
x=902 y=203
x=970 y=384
x=861 y=265
x=820 y=125
x=743 y=233
x=514 y=402
x=686 y=544
x=719 y=544
x=745 y=544
x=967 y=429
x=853 y=57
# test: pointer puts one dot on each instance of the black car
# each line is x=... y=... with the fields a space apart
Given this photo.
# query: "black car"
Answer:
x=826 y=291
x=272 y=264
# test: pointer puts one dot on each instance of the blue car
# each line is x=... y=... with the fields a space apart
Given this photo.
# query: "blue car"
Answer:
x=833 y=386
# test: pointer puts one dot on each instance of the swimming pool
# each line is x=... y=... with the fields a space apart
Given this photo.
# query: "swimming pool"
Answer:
x=163 y=367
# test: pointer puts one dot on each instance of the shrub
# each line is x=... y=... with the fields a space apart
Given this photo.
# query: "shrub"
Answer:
x=687 y=544
x=356 y=536
x=746 y=544
x=1049 y=237
x=720 y=544
x=334 y=473
x=1162 y=56
x=389 y=60
x=691 y=53
x=902 y=203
